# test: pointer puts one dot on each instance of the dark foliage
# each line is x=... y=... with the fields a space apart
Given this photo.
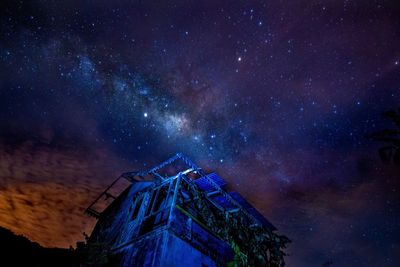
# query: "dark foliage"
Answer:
x=19 y=251
x=390 y=153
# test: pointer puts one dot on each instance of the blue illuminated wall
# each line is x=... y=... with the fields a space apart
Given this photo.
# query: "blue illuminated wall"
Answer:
x=167 y=238
x=184 y=217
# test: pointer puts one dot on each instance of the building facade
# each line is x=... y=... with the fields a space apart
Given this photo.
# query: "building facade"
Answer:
x=177 y=215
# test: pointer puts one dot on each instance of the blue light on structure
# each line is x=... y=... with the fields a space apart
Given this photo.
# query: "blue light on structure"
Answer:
x=176 y=215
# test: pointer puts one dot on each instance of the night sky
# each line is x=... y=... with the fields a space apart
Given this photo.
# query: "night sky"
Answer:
x=276 y=96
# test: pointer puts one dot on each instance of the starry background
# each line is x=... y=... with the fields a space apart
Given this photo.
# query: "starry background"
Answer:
x=276 y=96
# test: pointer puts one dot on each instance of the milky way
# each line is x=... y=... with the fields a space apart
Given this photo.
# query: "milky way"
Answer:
x=277 y=97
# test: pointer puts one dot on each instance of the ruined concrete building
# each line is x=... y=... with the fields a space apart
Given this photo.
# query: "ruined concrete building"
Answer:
x=177 y=215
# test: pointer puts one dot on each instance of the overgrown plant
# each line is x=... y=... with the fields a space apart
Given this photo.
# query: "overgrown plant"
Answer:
x=390 y=152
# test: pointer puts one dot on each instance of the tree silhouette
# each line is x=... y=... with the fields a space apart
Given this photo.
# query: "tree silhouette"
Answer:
x=390 y=153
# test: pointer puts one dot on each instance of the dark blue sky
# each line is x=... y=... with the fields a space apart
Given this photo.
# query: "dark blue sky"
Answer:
x=277 y=97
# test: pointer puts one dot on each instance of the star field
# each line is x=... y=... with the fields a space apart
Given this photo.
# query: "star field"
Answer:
x=278 y=97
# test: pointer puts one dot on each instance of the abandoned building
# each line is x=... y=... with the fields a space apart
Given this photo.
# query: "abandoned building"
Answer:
x=177 y=215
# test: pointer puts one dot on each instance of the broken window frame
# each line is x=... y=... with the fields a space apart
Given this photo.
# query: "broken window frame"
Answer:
x=137 y=206
x=158 y=208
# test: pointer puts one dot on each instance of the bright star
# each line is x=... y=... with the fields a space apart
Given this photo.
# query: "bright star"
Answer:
x=145 y=114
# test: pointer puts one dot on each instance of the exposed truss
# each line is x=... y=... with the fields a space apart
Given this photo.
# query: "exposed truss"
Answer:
x=157 y=177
